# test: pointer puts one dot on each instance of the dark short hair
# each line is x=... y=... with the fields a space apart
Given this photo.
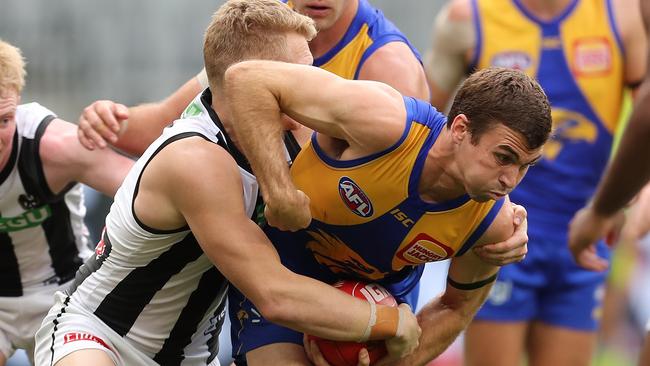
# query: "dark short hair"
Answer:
x=510 y=97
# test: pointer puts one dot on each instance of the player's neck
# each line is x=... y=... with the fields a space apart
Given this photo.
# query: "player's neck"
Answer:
x=546 y=9
x=326 y=39
x=219 y=107
x=439 y=181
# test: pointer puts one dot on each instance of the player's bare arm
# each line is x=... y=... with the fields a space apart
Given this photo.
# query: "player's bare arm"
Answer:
x=66 y=161
x=630 y=24
x=469 y=282
x=357 y=118
x=451 y=50
x=241 y=251
x=133 y=129
x=396 y=65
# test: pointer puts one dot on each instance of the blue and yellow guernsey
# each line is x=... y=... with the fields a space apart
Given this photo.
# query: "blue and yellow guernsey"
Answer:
x=369 y=31
x=578 y=60
x=369 y=220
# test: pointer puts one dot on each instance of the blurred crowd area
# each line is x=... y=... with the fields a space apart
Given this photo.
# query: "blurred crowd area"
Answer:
x=140 y=51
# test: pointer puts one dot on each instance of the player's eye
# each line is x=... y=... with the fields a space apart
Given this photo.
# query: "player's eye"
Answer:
x=502 y=159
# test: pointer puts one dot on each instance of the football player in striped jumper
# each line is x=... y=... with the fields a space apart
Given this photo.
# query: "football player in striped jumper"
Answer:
x=43 y=239
x=180 y=229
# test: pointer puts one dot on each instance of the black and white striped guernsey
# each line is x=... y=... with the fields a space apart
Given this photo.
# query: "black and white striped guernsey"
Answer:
x=156 y=288
x=43 y=239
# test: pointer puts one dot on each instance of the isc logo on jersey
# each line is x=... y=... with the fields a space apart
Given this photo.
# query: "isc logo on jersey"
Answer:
x=423 y=249
x=354 y=197
x=28 y=219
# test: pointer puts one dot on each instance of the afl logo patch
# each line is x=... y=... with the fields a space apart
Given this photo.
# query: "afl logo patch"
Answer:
x=423 y=249
x=354 y=197
x=512 y=60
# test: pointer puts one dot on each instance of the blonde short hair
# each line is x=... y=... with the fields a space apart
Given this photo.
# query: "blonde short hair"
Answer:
x=12 y=68
x=250 y=29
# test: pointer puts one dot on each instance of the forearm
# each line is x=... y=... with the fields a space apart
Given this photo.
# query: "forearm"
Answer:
x=259 y=134
x=441 y=322
x=315 y=308
x=146 y=122
x=624 y=177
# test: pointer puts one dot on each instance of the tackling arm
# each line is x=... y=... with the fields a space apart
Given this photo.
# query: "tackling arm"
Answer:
x=212 y=205
x=368 y=116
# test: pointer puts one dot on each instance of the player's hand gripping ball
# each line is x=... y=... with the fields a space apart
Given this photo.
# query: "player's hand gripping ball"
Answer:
x=347 y=353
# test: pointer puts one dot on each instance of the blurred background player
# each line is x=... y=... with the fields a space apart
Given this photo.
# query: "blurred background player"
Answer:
x=628 y=172
x=43 y=239
x=584 y=53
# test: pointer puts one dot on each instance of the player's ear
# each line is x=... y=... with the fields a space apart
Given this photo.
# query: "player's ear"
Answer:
x=460 y=128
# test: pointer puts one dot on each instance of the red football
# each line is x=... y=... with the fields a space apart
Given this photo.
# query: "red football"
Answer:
x=347 y=353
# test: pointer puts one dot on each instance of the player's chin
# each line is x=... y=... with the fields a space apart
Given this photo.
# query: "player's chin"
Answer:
x=482 y=197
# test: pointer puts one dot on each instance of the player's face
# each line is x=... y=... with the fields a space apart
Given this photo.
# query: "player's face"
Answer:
x=324 y=12
x=496 y=164
x=298 y=49
x=9 y=100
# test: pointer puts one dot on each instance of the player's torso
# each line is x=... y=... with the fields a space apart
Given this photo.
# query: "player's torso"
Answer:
x=157 y=288
x=368 y=218
x=369 y=31
x=577 y=59
x=42 y=234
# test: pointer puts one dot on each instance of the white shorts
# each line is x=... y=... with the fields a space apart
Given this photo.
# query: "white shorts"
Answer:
x=74 y=329
x=20 y=318
x=647 y=326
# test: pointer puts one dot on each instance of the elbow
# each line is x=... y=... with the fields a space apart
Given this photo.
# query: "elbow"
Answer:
x=236 y=74
x=275 y=305
x=275 y=311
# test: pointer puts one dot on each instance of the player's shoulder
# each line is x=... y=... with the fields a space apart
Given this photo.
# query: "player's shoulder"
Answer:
x=30 y=116
x=392 y=55
x=627 y=15
x=458 y=10
x=193 y=154
x=58 y=140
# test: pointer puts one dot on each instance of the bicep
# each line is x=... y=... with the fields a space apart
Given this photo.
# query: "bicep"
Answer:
x=65 y=160
x=214 y=209
x=352 y=110
x=360 y=112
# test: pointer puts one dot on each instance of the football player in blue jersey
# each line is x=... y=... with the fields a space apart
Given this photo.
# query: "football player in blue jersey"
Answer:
x=625 y=176
x=584 y=53
x=443 y=187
